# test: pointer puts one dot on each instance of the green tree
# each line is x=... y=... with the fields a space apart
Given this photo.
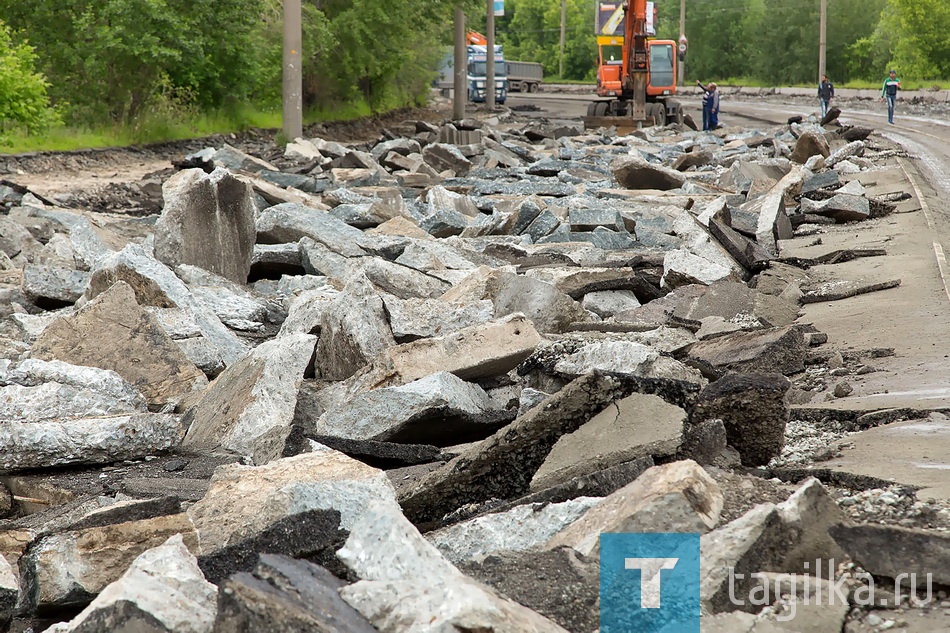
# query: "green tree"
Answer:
x=383 y=54
x=922 y=46
x=111 y=58
x=23 y=98
x=531 y=31
x=722 y=44
x=850 y=22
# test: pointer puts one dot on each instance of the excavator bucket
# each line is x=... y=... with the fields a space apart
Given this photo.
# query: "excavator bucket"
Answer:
x=623 y=124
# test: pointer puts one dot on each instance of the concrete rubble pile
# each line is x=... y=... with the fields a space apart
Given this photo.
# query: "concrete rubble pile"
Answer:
x=388 y=386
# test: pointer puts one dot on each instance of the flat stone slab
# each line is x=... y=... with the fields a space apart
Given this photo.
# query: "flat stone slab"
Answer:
x=844 y=288
x=886 y=550
x=914 y=452
x=639 y=425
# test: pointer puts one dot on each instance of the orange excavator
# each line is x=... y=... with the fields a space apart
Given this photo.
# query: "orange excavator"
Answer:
x=636 y=76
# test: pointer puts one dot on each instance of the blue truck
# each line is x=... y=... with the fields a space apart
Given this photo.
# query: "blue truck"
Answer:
x=476 y=71
x=477 y=74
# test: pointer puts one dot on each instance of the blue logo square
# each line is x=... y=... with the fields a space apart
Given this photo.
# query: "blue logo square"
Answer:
x=649 y=583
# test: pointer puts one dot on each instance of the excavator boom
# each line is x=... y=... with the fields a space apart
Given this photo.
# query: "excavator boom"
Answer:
x=636 y=62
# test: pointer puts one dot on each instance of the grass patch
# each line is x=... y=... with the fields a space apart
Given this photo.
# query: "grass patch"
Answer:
x=164 y=126
x=153 y=128
x=557 y=80
x=325 y=113
x=905 y=85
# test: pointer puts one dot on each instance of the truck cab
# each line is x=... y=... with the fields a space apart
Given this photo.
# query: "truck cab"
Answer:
x=477 y=72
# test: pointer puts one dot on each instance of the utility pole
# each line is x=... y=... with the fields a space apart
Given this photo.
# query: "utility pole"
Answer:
x=822 y=38
x=681 y=71
x=490 y=57
x=292 y=93
x=460 y=95
x=560 y=69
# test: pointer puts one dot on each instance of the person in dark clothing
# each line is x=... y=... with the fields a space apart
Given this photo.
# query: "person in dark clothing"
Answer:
x=889 y=93
x=705 y=105
x=826 y=92
x=713 y=106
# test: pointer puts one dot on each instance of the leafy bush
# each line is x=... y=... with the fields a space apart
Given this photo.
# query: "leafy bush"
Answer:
x=23 y=99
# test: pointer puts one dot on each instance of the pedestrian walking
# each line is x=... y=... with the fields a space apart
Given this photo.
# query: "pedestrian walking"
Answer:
x=713 y=106
x=826 y=92
x=889 y=93
x=705 y=105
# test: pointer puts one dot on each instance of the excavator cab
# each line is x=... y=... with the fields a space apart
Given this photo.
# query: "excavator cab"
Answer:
x=662 y=68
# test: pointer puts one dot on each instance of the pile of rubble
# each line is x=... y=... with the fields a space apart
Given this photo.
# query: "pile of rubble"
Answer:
x=405 y=386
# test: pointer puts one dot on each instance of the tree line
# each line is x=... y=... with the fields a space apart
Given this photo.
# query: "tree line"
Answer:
x=93 y=62
x=770 y=42
x=89 y=62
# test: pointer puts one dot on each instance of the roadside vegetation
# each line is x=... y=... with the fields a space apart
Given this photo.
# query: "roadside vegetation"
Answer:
x=81 y=73
x=93 y=73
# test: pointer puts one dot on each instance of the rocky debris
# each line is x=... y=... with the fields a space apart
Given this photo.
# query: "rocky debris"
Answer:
x=478 y=351
x=207 y=221
x=69 y=568
x=92 y=440
x=893 y=551
x=771 y=213
x=754 y=410
x=504 y=464
x=249 y=409
x=51 y=287
x=283 y=594
x=780 y=350
x=779 y=538
x=842 y=289
x=244 y=501
x=405 y=583
x=113 y=332
x=524 y=527
x=569 y=594
x=440 y=409
x=639 y=425
x=676 y=497
x=517 y=325
x=353 y=331
x=634 y=172
x=9 y=591
x=810 y=143
x=154 y=284
x=162 y=591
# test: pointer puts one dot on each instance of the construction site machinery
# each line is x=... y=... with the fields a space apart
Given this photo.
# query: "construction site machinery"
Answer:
x=524 y=76
x=636 y=74
x=477 y=69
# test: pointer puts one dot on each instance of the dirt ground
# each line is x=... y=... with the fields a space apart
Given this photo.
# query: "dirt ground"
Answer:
x=111 y=180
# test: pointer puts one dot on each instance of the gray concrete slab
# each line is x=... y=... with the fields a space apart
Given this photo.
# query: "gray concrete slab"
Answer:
x=914 y=452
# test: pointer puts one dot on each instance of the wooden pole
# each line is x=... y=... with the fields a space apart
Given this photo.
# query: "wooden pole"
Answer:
x=681 y=71
x=822 y=39
x=460 y=93
x=560 y=69
x=292 y=86
x=490 y=57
